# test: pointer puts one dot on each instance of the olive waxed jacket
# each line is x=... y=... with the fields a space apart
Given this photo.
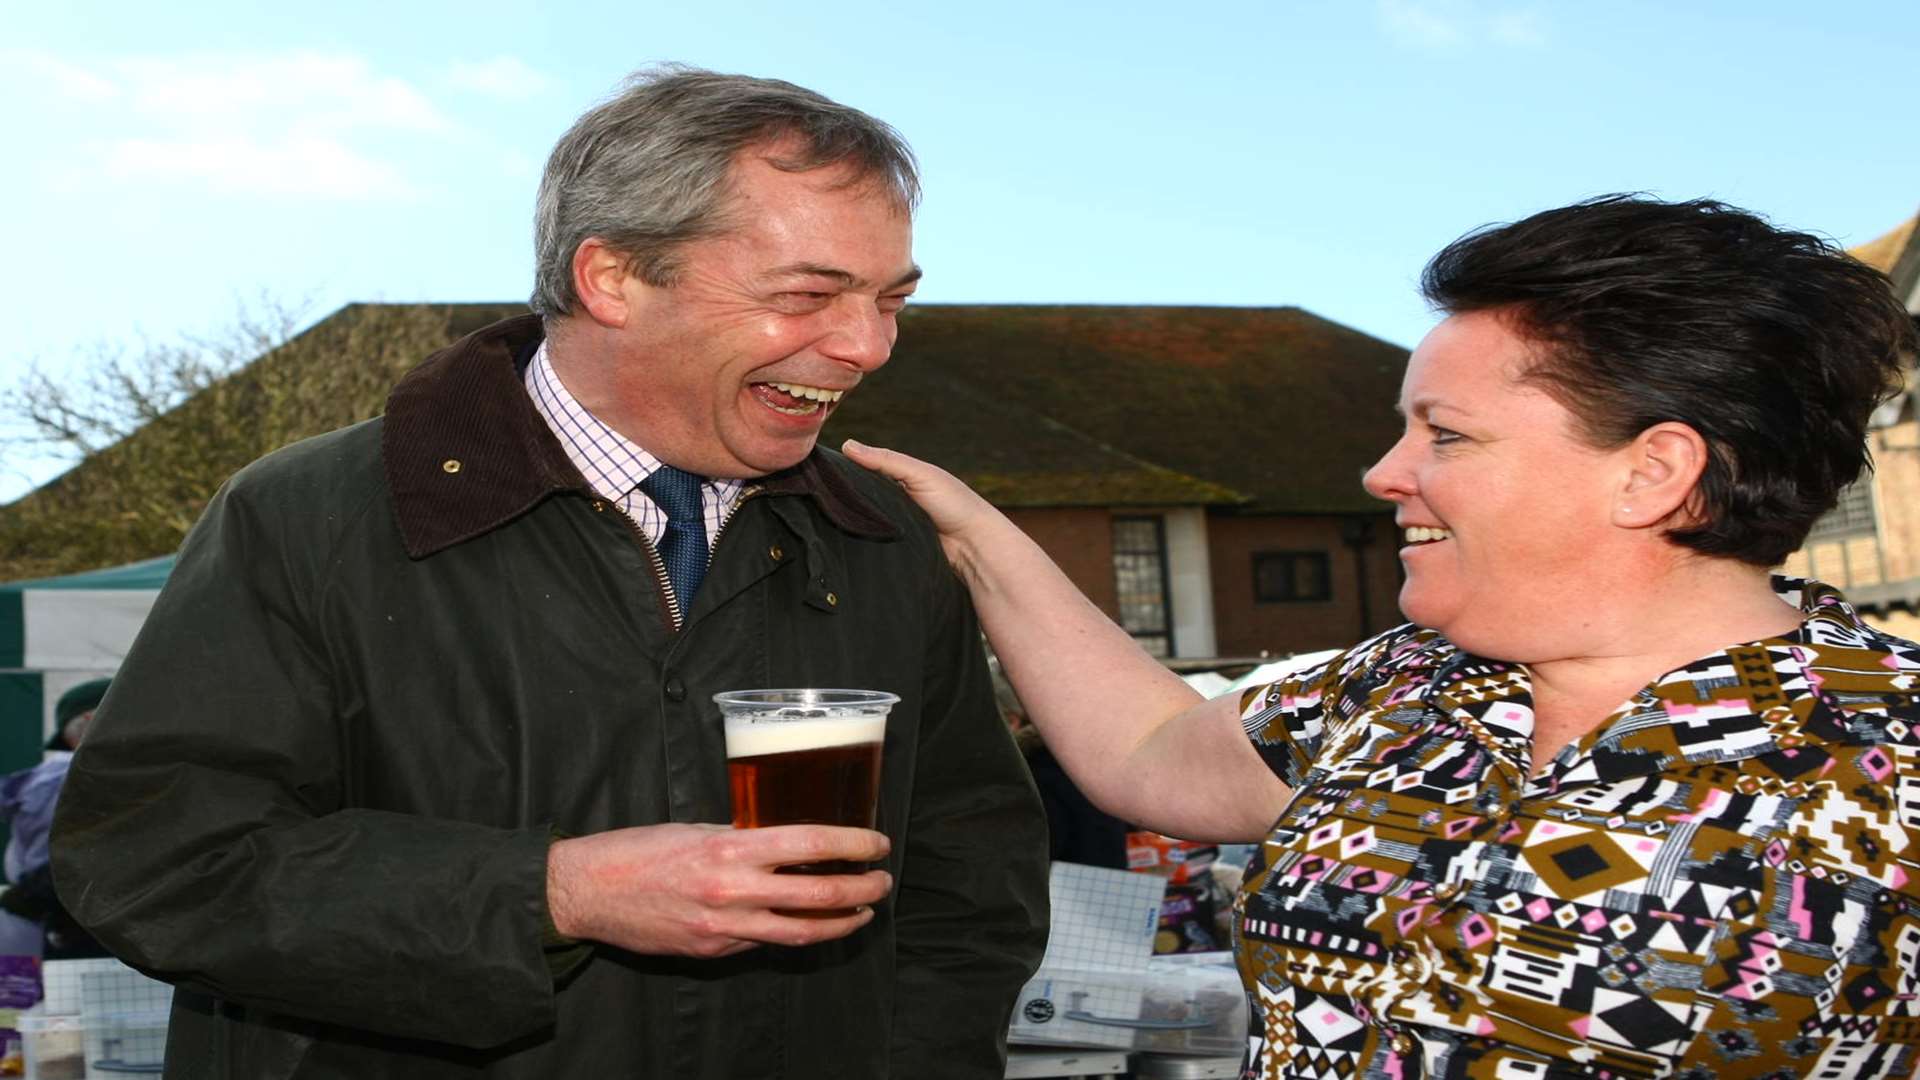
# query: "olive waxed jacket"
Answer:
x=393 y=660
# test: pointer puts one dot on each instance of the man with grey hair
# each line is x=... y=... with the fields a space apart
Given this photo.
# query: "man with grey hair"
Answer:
x=414 y=772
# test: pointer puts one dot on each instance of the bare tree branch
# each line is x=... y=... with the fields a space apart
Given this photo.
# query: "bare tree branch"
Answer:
x=156 y=428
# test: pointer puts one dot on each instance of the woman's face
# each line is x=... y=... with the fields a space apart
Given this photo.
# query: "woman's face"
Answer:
x=1501 y=504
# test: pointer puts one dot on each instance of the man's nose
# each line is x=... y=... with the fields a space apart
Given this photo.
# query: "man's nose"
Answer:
x=863 y=334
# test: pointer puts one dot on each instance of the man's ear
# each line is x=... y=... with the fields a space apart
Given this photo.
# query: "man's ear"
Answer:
x=1663 y=468
x=600 y=280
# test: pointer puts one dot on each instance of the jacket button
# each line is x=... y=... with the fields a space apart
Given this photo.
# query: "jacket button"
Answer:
x=450 y=466
x=775 y=553
x=832 y=600
x=676 y=690
x=1402 y=1044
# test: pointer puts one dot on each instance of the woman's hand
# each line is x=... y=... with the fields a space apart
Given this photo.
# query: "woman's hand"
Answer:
x=955 y=509
x=1141 y=743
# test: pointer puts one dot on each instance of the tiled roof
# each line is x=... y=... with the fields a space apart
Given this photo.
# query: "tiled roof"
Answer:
x=1257 y=409
x=1275 y=405
x=1884 y=250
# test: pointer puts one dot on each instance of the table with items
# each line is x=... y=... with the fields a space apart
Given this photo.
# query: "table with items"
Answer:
x=1103 y=1004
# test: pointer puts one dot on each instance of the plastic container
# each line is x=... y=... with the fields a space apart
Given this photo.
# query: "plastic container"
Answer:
x=54 y=1047
x=1193 y=1005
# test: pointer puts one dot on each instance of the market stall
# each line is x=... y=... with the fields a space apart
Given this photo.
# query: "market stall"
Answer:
x=58 y=632
x=1103 y=988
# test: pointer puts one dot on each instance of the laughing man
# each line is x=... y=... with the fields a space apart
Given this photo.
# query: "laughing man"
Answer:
x=414 y=771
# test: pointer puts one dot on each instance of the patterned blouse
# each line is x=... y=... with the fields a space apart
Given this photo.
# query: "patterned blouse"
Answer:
x=1721 y=881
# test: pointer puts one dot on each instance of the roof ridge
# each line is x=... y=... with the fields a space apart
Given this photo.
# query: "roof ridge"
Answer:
x=982 y=396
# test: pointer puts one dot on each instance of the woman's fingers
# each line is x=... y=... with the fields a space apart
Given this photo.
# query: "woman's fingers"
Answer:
x=950 y=503
x=889 y=463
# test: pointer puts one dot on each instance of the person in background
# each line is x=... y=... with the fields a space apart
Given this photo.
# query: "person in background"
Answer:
x=33 y=922
x=1077 y=830
x=1615 y=802
x=414 y=771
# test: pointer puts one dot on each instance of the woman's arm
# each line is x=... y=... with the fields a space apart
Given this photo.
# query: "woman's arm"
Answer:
x=1140 y=742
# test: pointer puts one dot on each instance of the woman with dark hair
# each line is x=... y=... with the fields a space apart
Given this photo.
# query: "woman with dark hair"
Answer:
x=1615 y=802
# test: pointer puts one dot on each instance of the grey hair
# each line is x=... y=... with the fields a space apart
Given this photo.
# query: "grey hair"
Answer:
x=647 y=170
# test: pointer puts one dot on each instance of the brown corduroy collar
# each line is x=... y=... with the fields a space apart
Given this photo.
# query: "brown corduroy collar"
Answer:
x=465 y=452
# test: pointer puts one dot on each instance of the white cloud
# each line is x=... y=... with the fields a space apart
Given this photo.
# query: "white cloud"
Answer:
x=1444 y=25
x=1422 y=23
x=52 y=75
x=302 y=89
x=303 y=123
x=306 y=166
x=1521 y=29
x=502 y=77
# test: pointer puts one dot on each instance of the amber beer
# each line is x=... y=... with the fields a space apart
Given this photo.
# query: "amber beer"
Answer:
x=799 y=757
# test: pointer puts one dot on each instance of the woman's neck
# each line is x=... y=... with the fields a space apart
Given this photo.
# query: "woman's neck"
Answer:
x=1704 y=606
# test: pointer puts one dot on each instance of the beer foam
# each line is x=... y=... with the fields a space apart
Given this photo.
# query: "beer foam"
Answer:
x=746 y=738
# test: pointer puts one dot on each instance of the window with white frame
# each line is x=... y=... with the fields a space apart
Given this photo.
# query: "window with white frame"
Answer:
x=1140 y=581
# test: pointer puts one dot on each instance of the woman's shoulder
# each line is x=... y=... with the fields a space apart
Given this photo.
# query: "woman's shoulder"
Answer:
x=1404 y=651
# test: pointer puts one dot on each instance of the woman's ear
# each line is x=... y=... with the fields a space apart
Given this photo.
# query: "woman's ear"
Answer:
x=1664 y=466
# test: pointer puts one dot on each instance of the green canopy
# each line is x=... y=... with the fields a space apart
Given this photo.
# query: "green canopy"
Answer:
x=57 y=632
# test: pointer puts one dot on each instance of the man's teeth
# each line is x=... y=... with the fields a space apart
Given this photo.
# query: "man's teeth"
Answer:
x=811 y=393
x=1420 y=534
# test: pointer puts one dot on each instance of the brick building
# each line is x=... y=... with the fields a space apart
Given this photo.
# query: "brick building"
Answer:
x=1195 y=470
x=1870 y=545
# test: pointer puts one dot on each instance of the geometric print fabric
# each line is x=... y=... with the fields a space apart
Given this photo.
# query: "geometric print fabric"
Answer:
x=1718 y=881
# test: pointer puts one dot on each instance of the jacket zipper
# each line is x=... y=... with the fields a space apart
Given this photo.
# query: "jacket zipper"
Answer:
x=676 y=618
x=713 y=545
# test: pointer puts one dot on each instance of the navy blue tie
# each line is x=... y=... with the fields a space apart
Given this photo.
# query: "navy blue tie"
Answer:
x=684 y=547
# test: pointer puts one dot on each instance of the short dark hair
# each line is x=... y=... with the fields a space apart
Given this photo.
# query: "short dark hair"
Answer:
x=1775 y=346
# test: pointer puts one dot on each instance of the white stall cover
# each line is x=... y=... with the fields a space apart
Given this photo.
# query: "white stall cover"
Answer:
x=57 y=632
x=1213 y=684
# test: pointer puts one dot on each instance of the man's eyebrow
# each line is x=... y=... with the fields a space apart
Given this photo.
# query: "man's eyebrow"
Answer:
x=843 y=277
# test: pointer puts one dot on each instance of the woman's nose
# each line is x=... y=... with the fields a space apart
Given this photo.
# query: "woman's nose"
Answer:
x=1389 y=477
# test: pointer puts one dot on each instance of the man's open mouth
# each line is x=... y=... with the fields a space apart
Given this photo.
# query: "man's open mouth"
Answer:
x=796 y=399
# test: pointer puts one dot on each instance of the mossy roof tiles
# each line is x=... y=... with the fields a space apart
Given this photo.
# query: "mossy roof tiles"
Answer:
x=1277 y=406
x=1251 y=409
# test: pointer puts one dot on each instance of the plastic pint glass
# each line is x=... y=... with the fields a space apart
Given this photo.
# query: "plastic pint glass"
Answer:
x=805 y=757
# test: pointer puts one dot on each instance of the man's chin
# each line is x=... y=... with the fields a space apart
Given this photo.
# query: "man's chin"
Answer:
x=766 y=464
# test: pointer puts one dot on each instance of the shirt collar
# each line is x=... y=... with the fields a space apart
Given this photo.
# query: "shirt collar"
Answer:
x=611 y=463
x=1795 y=695
x=1800 y=689
x=465 y=451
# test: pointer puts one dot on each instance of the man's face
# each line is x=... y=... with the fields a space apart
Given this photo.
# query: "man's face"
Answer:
x=732 y=370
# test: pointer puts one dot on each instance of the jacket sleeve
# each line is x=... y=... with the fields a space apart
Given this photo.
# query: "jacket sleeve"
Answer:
x=971 y=919
x=202 y=835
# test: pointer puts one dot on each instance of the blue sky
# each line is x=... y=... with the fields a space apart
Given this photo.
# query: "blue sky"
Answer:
x=167 y=162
